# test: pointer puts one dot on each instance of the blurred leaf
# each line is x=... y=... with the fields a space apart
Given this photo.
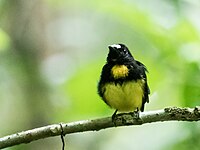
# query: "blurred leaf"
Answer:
x=191 y=85
x=82 y=90
x=184 y=32
x=4 y=40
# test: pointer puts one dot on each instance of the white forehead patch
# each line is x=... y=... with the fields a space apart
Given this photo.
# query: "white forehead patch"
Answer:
x=116 y=46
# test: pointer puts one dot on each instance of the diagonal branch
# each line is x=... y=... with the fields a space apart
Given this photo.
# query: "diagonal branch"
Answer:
x=124 y=119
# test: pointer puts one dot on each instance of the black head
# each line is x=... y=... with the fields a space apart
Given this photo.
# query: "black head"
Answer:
x=119 y=54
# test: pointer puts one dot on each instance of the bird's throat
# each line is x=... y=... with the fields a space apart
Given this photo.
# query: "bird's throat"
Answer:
x=119 y=71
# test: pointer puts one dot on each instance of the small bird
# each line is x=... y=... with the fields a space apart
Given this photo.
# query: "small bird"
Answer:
x=123 y=81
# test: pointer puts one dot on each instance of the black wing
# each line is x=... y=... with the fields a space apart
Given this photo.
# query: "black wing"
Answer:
x=146 y=87
x=104 y=78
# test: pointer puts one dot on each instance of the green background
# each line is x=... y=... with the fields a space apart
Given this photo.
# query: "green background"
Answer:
x=52 y=52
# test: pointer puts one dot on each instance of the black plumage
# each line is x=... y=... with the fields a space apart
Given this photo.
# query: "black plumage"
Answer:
x=123 y=80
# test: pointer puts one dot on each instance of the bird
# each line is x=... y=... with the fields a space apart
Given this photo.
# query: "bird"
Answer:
x=123 y=82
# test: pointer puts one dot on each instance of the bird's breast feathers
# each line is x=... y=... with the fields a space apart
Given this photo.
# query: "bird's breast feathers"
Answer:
x=119 y=71
x=124 y=97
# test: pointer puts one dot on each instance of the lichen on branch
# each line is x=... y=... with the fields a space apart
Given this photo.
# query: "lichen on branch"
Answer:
x=123 y=119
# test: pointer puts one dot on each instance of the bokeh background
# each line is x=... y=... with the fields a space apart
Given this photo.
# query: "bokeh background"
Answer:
x=52 y=52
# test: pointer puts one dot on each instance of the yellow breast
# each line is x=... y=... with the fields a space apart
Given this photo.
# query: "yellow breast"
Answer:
x=126 y=97
x=119 y=71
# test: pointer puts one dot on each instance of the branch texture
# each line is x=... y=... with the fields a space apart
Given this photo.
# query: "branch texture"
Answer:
x=123 y=119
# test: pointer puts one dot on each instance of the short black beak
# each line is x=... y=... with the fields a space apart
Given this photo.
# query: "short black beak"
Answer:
x=112 y=49
x=113 y=52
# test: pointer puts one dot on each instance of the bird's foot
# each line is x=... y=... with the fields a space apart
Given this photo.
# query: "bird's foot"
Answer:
x=136 y=114
x=114 y=117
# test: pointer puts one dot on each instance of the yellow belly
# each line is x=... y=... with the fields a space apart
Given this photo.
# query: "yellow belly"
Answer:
x=126 y=97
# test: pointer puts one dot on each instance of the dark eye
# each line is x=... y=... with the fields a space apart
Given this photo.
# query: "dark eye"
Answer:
x=125 y=51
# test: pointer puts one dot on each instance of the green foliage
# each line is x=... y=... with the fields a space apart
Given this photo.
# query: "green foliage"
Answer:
x=4 y=40
x=191 y=85
x=82 y=91
x=172 y=78
x=164 y=35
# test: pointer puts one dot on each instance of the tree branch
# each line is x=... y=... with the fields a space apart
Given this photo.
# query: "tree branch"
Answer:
x=123 y=119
